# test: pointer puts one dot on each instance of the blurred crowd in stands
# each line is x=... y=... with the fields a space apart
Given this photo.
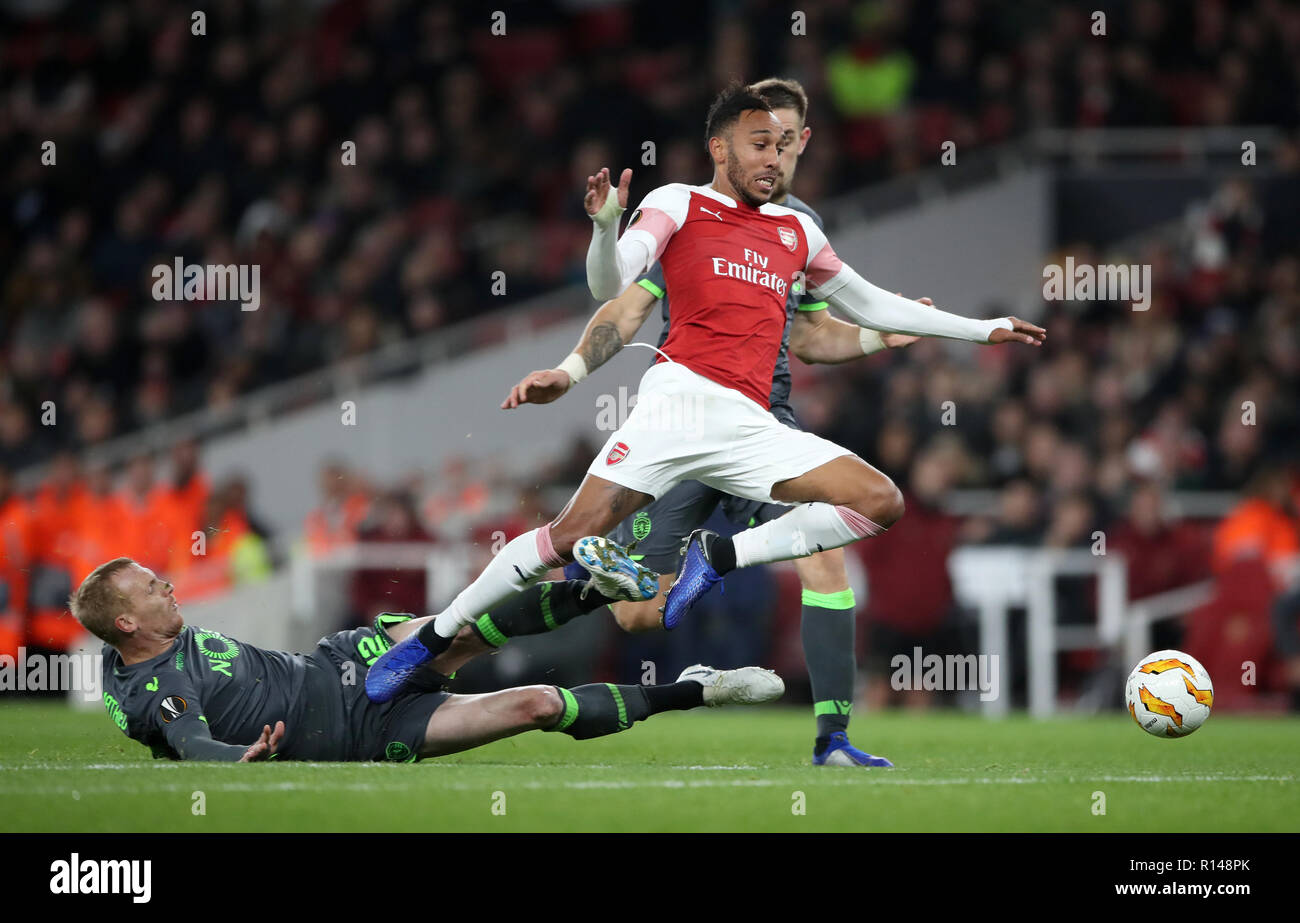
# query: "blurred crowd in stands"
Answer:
x=202 y=538
x=471 y=149
x=471 y=152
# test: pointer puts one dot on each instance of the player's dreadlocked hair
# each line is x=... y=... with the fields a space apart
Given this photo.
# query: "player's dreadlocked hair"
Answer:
x=783 y=93
x=727 y=108
x=97 y=602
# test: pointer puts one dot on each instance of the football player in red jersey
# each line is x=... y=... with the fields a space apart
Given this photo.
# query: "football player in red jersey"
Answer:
x=827 y=617
x=731 y=257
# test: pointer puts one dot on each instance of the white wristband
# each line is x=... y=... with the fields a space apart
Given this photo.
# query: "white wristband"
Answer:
x=870 y=340
x=608 y=214
x=575 y=366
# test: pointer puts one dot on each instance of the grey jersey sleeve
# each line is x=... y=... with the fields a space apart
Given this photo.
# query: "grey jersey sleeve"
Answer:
x=807 y=302
x=653 y=280
x=174 y=711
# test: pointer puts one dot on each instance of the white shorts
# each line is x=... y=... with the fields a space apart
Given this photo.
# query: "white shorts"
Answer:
x=686 y=427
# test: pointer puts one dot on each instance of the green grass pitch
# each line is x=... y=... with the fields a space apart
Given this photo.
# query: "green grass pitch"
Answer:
x=739 y=770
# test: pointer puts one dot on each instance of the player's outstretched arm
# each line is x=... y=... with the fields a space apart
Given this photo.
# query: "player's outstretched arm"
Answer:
x=189 y=737
x=870 y=306
x=818 y=338
x=174 y=710
x=608 y=269
x=609 y=329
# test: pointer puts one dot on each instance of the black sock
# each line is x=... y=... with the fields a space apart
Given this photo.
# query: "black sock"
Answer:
x=541 y=608
x=434 y=642
x=674 y=696
x=723 y=555
x=826 y=630
x=599 y=709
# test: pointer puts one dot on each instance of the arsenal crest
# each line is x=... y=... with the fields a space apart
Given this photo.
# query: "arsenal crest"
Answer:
x=617 y=454
x=788 y=237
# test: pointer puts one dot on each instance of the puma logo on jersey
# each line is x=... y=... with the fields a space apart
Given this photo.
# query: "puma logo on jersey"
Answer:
x=717 y=215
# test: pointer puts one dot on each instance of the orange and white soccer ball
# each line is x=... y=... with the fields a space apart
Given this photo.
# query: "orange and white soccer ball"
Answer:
x=1169 y=694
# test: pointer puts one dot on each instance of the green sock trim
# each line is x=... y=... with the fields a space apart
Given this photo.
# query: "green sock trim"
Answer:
x=491 y=634
x=387 y=620
x=622 y=709
x=570 y=710
x=841 y=600
x=832 y=707
x=547 y=617
x=651 y=288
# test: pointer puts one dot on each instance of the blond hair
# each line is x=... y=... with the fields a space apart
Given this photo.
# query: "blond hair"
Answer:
x=98 y=602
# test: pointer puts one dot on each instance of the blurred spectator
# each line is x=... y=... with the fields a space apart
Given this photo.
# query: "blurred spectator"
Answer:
x=233 y=548
x=1263 y=526
x=56 y=510
x=1072 y=522
x=392 y=518
x=187 y=497
x=147 y=526
x=344 y=505
x=1018 y=520
x=1260 y=539
x=1162 y=555
x=15 y=566
x=459 y=495
x=99 y=526
x=910 y=602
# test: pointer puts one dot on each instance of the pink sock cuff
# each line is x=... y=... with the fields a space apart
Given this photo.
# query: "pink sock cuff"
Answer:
x=546 y=550
x=862 y=526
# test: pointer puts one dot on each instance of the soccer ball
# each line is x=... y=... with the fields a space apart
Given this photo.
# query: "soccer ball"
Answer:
x=1169 y=694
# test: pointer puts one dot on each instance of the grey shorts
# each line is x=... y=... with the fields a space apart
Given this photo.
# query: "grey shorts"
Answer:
x=340 y=724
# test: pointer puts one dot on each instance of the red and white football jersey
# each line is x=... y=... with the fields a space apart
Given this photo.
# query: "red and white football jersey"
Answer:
x=729 y=268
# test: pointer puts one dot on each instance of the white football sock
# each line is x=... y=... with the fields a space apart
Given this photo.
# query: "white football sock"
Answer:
x=806 y=529
x=520 y=563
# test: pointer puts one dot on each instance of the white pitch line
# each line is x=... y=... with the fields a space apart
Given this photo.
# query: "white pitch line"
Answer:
x=616 y=784
x=890 y=777
x=720 y=768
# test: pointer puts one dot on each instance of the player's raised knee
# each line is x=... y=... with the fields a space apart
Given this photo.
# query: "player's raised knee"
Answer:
x=894 y=506
x=881 y=501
